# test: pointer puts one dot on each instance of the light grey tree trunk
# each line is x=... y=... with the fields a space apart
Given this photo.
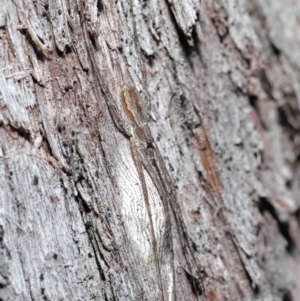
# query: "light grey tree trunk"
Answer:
x=223 y=82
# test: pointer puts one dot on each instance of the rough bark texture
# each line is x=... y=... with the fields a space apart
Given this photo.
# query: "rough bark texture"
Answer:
x=223 y=81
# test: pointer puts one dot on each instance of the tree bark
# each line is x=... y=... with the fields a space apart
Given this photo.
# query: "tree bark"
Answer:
x=221 y=81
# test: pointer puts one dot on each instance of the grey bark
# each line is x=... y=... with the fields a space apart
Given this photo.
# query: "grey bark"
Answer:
x=223 y=82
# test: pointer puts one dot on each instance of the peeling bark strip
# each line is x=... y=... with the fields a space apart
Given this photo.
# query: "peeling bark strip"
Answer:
x=85 y=213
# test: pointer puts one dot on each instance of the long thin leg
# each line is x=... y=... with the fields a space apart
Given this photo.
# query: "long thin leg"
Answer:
x=139 y=167
x=170 y=190
x=166 y=248
x=160 y=176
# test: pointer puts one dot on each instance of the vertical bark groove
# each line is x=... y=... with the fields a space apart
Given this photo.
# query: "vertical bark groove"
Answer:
x=222 y=83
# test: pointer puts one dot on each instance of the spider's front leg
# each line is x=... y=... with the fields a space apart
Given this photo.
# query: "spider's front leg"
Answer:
x=169 y=190
x=162 y=244
x=139 y=167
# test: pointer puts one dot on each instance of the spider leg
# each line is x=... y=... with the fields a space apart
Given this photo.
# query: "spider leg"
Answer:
x=163 y=252
x=169 y=190
x=139 y=167
x=166 y=248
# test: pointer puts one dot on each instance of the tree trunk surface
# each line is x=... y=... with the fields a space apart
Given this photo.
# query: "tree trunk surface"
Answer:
x=220 y=81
